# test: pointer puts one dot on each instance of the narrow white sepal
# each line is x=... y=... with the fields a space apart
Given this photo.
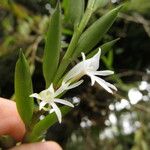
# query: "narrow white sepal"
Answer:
x=102 y=83
x=74 y=85
x=41 y=105
x=102 y=73
x=35 y=95
x=51 y=88
x=111 y=86
x=64 y=102
x=92 y=79
x=60 y=90
x=57 y=111
x=83 y=56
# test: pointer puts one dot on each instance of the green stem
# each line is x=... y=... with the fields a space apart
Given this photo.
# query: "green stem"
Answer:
x=78 y=31
x=7 y=141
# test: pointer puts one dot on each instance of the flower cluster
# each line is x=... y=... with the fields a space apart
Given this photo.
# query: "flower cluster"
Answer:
x=71 y=80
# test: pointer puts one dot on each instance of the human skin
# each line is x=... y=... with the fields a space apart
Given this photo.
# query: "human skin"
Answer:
x=11 y=123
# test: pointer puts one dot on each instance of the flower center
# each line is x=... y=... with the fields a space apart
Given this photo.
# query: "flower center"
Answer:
x=47 y=96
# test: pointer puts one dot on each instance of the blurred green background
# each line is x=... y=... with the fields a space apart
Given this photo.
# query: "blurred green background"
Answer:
x=99 y=121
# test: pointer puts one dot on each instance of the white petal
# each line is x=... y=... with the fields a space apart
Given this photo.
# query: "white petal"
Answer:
x=92 y=64
x=74 y=85
x=103 y=83
x=92 y=79
x=61 y=89
x=66 y=86
x=41 y=105
x=111 y=86
x=102 y=73
x=35 y=95
x=64 y=102
x=83 y=56
x=51 y=111
x=57 y=111
x=51 y=88
x=76 y=70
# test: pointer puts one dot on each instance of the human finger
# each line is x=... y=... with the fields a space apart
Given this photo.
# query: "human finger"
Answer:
x=10 y=121
x=50 y=145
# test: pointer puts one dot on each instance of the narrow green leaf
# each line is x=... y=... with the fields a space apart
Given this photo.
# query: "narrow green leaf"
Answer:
x=46 y=123
x=74 y=10
x=95 y=32
x=104 y=60
x=105 y=48
x=74 y=40
x=100 y=3
x=23 y=89
x=108 y=61
x=110 y=58
x=52 y=47
x=108 y=46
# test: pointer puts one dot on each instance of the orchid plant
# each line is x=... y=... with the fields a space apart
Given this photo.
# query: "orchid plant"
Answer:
x=58 y=78
x=86 y=67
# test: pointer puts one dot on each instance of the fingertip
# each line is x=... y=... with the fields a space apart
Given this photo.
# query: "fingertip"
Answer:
x=17 y=128
x=11 y=123
x=52 y=145
x=39 y=146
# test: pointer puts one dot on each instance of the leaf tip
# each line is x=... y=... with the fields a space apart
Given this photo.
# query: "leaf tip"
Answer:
x=21 y=55
x=119 y=7
x=58 y=8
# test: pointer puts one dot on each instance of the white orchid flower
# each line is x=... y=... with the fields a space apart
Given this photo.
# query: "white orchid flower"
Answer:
x=89 y=67
x=49 y=96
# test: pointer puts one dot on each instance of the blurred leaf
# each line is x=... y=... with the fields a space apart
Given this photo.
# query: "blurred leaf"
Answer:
x=52 y=47
x=95 y=32
x=46 y=123
x=23 y=89
x=105 y=48
x=108 y=46
x=4 y=4
x=100 y=3
x=142 y=6
x=108 y=61
x=19 y=10
x=110 y=58
x=74 y=10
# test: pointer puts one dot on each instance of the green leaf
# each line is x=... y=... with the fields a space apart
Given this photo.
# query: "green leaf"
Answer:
x=108 y=46
x=74 y=10
x=40 y=128
x=23 y=89
x=108 y=61
x=110 y=58
x=100 y=3
x=52 y=47
x=105 y=48
x=95 y=32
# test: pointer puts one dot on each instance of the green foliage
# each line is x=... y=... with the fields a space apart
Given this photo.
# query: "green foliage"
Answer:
x=108 y=45
x=23 y=88
x=100 y=3
x=105 y=48
x=77 y=33
x=95 y=32
x=142 y=6
x=74 y=10
x=19 y=20
x=40 y=128
x=52 y=47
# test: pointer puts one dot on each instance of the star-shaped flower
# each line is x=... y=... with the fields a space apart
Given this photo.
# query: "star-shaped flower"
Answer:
x=89 y=67
x=49 y=96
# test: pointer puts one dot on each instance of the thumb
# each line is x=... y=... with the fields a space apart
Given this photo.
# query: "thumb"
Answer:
x=39 y=146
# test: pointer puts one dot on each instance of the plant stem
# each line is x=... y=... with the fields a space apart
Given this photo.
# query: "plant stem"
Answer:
x=7 y=141
x=77 y=32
